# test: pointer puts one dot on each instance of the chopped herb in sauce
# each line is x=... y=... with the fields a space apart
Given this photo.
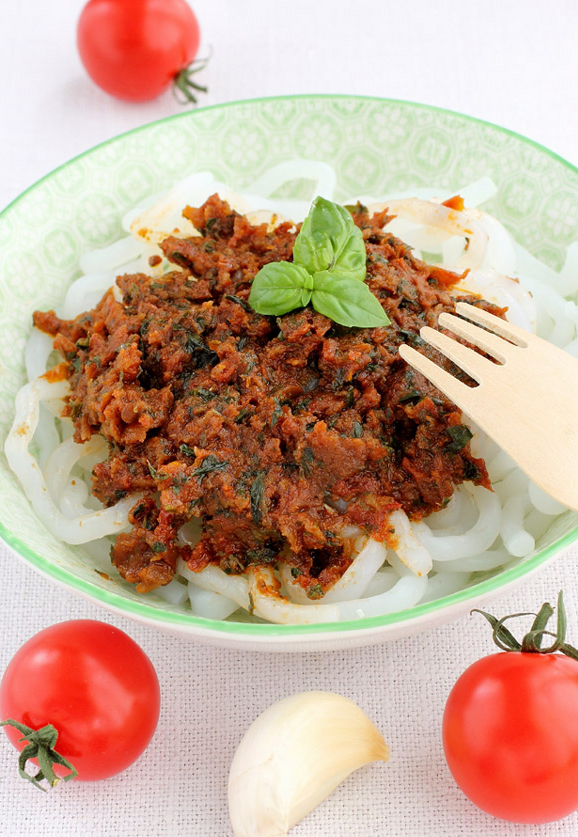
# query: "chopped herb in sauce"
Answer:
x=460 y=436
x=187 y=450
x=411 y=397
x=156 y=475
x=243 y=414
x=211 y=464
x=307 y=459
x=200 y=353
x=277 y=413
x=242 y=302
x=204 y=394
x=261 y=555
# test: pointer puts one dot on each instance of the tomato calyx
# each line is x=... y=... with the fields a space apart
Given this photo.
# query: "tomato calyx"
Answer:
x=42 y=743
x=532 y=641
x=185 y=88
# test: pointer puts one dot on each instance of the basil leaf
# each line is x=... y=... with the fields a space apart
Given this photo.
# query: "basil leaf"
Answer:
x=280 y=287
x=347 y=301
x=329 y=240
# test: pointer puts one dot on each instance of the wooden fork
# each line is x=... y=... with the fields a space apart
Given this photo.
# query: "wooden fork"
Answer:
x=527 y=402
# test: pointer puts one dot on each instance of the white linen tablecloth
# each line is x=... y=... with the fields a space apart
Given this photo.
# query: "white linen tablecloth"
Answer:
x=513 y=62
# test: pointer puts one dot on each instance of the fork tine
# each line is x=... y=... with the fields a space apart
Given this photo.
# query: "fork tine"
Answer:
x=506 y=330
x=455 y=390
x=474 y=364
x=485 y=340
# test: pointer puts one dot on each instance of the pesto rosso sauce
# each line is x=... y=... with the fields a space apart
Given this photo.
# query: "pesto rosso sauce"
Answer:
x=275 y=432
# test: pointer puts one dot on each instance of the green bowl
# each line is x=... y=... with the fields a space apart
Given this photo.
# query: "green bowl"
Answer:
x=376 y=146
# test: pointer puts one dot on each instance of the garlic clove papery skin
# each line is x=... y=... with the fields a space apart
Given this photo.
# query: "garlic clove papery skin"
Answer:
x=293 y=756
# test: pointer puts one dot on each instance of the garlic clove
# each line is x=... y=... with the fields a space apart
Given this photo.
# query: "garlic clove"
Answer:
x=292 y=757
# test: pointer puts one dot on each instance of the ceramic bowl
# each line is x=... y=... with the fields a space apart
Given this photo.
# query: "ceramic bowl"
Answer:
x=376 y=146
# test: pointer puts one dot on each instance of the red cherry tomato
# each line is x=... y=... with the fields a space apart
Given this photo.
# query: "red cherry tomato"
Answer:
x=510 y=735
x=94 y=684
x=134 y=49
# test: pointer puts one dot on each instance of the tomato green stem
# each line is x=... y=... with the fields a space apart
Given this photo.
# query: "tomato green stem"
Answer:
x=42 y=743
x=185 y=87
x=532 y=641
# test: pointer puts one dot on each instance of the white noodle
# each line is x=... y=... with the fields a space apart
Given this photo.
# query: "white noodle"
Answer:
x=451 y=515
x=108 y=258
x=449 y=220
x=210 y=605
x=503 y=292
x=36 y=353
x=139 y=208
x=462 y=523
x=46 y=435
x=481 y=536
x=175 y=593
x=78 y=530
x=501 y=465
x=73 y=497
x=353 y=582
x=513 y=484
x=480 y=444
x=516 y=539
x=537 y=523
x=564 y=283
x=500 y=252
x=270 y=605
x=234 y=587
x=444 y=583
x=411 y=551
x=406 y=593
x=543 y=502
x=99 y=552
x=190 y=532
x=381 y=582
x=491 y=559
x=62 y=460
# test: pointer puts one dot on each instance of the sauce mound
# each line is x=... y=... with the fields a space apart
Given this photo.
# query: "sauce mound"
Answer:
x=279 y=434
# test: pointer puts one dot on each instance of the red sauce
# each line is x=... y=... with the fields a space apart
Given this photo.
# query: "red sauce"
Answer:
x=277 y=433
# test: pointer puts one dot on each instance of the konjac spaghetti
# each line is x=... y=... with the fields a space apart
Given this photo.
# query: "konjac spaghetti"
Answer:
x=287 y=465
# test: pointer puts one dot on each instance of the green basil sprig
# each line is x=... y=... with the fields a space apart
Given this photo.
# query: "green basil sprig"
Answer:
x=328 y=271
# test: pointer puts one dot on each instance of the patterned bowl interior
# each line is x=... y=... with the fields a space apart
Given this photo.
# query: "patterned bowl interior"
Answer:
x=376 y=146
